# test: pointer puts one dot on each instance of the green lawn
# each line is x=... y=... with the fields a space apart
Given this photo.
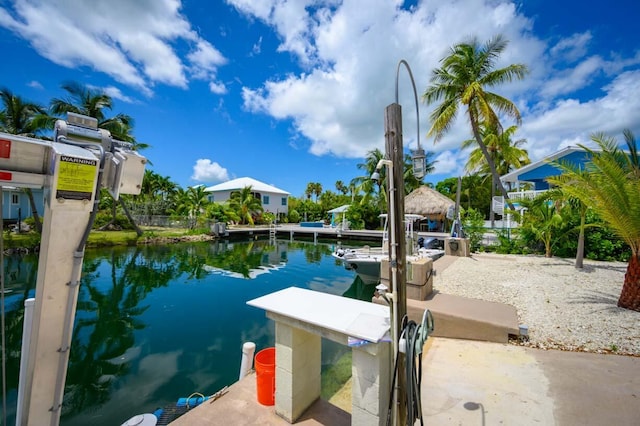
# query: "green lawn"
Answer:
x=100 y=238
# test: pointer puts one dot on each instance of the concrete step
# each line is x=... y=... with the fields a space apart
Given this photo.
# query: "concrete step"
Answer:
x=464 y=318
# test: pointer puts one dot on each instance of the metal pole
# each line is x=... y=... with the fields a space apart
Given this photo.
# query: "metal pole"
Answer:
x=24 y=356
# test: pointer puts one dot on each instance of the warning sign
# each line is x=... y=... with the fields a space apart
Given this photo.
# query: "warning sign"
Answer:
x=76 y=178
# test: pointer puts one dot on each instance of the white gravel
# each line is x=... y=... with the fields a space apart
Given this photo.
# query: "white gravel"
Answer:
x=564 y=307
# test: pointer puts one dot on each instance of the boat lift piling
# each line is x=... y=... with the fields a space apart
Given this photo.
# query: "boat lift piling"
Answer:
x=71 y=169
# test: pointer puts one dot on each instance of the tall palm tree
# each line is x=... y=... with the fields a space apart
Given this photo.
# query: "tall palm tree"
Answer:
x=364 y=183
x=341 y=187
x=93 y=103
x=463 y=80
x=610 y=184
x=506 y=153
x=317 y=190
x=82 y=100
x=20 y=117
x=245 y=204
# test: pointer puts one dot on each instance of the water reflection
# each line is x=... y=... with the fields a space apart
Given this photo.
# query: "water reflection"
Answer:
x=155 y=323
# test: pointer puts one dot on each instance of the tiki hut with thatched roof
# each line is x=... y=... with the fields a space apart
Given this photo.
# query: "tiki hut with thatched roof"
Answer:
x=429 y=203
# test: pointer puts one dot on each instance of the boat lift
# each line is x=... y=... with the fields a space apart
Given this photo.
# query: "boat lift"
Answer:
x=72 y=169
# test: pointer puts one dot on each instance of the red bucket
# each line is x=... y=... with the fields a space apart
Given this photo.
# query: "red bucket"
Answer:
x=265 y=364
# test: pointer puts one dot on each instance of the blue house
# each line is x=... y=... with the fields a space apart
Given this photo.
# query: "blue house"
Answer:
x=535 y=176
x=16 y=206
x=537 y=173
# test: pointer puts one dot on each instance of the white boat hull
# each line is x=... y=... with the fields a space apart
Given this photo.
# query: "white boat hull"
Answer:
x=366 y=262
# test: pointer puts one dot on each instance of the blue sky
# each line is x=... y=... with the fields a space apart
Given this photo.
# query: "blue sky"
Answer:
x=291 y=92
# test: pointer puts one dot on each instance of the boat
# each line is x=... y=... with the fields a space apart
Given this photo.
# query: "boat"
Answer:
x=366 y=261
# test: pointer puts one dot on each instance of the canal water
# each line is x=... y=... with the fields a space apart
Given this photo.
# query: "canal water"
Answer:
x=156 y=323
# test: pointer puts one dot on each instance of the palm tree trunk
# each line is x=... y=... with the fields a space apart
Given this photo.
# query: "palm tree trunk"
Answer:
x=490 y=162
x=630 y=295
x=492 y=214
x=580 y=250
x=133 y=222
x=113 y=216
x=34 y=210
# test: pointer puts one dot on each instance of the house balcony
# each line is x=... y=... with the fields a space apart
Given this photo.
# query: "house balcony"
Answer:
x=500 y=207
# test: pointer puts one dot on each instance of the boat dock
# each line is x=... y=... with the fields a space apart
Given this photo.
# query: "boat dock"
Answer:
x=471 y=381
x=291 y=231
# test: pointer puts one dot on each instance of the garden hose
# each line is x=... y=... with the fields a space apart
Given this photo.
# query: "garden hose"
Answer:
x=412 y=339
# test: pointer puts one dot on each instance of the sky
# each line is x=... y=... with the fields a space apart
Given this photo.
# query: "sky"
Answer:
x=294 y=91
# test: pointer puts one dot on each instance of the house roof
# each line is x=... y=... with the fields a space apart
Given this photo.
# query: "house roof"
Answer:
x=243 y=182
x=522 y=173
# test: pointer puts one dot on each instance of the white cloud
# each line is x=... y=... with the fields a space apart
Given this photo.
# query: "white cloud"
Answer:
x=291 y=19
x=572 y=48
x=116 y=93
x=349 y=53
x=257 y=47
x=572 y=79
x=113 y=92
x=217 y=88
x=571 y=121
x=35 y=84
x=133 y=42
x=205 y=60
x=207 y=171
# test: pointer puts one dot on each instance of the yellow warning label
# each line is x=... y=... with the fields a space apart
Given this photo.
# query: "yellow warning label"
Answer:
x=76 y=178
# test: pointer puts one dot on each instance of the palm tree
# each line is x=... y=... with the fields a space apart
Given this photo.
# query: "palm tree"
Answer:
x=505 y=152
x=20 y=117
x=83 y=101
x=245 y=204
x=542 y=220
x=462 y=81
x=610 y=184
x=364 y=183
x=93 y=103
x=309 y=190
x=341 y=187
x=191 y=203
x=317 y=190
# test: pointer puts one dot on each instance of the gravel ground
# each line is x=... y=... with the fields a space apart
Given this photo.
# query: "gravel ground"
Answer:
x=564 y=307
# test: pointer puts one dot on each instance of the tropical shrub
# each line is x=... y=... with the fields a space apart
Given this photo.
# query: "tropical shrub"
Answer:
x=294 y=216
x=473 y=225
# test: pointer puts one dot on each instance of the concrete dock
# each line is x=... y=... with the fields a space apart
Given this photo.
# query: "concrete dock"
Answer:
x=469 y=382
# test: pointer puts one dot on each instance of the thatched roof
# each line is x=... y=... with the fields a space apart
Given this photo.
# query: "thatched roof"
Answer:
x=427 y=202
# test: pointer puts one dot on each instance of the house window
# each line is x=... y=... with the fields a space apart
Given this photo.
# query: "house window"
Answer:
x=284 y=201
x=15 y=199
x=265 y=199
x=211 y=198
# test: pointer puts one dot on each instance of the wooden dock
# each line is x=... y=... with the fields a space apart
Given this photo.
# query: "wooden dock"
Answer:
x=291 y=231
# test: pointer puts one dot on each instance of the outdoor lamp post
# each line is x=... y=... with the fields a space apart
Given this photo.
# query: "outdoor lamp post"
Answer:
x=397 y=249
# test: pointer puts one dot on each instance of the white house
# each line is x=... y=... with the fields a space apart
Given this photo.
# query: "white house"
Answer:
x=273 y=199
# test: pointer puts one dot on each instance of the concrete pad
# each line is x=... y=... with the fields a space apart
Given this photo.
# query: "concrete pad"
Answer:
x=240 y=407
x=470 y=382
x=592 y=389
